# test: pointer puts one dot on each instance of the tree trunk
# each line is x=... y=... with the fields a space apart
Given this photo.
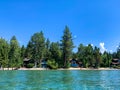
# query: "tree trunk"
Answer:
x=64 y=57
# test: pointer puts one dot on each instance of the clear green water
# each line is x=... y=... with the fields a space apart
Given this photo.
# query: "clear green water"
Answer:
x=60 y=80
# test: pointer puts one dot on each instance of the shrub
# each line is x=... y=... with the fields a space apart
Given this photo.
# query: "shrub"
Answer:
x=52 y=64
x=67 y=64
x=30 y=65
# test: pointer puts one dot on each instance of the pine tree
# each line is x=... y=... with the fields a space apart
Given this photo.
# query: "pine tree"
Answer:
x=4 y=50
x=14 y=53
x=97 y=57
x=47 y=49
x=81 y=54
x=67 y=46
x=89 y=55
x=56 y=53
x=38 y=47
x=23 y=52
x=29 y=51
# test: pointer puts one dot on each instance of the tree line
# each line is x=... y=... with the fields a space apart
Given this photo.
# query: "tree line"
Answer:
x=57 y=54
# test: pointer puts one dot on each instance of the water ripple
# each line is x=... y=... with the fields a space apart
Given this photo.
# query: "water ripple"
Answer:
x=59 y=80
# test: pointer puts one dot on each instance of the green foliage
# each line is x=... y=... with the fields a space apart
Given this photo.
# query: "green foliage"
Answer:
x=106 y=59
x=14 y=53
x=67 y=64
x=86 y=55
x=30 y=65
x=81 y=54
x=97 y=57
x=4 y=49
x=74 y=55
x=67 y=45
x=22 y=52
x=37 y=47
x=89 y=56
x=52 y=64
x=47 y=49
x=29 y=50
x=57 y=54
x=118 y=67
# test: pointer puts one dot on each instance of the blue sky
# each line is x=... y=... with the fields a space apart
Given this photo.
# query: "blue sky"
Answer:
x=91 y=21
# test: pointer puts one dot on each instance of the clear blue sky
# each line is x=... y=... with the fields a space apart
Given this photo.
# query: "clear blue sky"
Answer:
x=91 y=21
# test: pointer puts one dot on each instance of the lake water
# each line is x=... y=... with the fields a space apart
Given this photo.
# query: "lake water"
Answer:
x=60 y=80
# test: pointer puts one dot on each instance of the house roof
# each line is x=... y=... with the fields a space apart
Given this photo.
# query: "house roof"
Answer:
x=115 y=63
x=115 y=59
x=26 y=59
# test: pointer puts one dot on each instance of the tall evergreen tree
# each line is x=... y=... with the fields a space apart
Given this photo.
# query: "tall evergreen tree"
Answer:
x=23 y=52
x=4 y=50
x=109 y=56
x=47 y=49
x=114 y=55
x=85 y=54
x=67 y=46
x=104 y=59
x=29 y=51
x=14 y=53
x=38 y=47
x=89 y=55
x=81 y=54
x=97 y=57
x=56 y=53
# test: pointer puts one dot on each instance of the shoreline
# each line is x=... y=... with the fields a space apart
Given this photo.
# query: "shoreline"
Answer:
x=90 y=69
x=60 y=69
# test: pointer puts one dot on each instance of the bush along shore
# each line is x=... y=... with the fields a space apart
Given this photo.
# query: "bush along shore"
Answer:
x=41 y=53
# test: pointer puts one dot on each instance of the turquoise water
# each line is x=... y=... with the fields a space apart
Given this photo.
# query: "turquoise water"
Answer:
x=60 y=80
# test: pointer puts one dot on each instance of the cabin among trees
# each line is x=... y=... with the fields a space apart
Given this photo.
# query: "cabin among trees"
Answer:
x=115 y=62
x=44 y=63
x=75 y=63
x=29 y=63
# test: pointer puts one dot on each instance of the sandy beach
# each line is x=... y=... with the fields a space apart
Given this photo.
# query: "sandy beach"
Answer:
x=60 y=69
x=89 y=69
x=24 y=69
